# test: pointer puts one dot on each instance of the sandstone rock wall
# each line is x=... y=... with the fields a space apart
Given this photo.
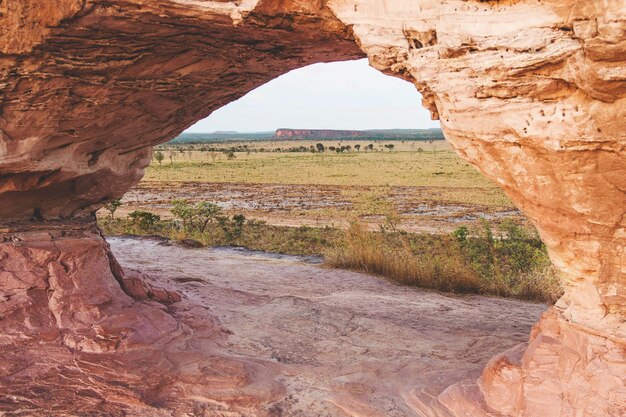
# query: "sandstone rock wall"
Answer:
x=532 y=92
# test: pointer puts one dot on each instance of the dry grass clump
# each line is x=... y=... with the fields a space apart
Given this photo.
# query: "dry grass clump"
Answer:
x=541 y=285
x=512 y=266
x=371 y=252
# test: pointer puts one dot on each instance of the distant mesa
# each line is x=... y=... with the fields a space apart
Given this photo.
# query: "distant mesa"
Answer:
x=383 y=134
x=314 y=134
x=318 y=134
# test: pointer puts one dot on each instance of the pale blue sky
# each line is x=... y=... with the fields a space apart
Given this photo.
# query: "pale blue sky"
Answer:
x=340 y=95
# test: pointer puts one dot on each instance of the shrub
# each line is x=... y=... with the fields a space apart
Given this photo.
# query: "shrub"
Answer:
x=514 y=265
x=461 y=234
x=144 y=220
x=195 y=217
x=159 y=157
x=232 y=228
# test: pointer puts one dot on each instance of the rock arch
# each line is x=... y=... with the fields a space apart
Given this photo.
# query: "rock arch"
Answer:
x=532 y=92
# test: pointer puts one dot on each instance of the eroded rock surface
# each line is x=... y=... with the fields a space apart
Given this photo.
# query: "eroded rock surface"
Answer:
x=261 y=335
x=533 y=92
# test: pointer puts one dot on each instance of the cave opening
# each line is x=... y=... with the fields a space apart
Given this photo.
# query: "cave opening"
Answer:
x=89 y=88
x=286 y=185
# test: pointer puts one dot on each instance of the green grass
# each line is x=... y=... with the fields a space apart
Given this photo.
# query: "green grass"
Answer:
x=441 y=169
x=450 y=179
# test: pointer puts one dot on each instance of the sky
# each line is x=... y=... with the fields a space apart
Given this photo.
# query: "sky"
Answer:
x=341 y=95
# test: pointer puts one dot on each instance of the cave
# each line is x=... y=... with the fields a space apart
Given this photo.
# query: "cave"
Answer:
x=533 y=93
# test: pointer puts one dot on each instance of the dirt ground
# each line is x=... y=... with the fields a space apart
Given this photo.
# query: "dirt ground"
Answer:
x=415 y=209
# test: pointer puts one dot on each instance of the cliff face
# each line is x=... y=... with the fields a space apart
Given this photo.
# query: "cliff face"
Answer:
x=531 y=92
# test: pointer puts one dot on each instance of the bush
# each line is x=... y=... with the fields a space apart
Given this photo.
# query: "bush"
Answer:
x=232 y=228
x=197 y=216
x=513 y=265
x=144 y=220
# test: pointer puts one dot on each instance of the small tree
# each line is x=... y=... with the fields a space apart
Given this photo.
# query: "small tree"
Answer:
x=370 y=146
x=357 y=147
x=232 y=229
x=182 y=210
x=238 y=221
x=231 y=155
x=320 y=147
x=112 y=207
x=158 y=155
x=203 y=214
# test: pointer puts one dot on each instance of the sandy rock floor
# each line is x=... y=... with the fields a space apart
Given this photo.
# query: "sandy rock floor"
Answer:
x=334 y=342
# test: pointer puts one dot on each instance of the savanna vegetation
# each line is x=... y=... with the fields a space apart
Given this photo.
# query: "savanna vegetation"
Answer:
x=430 y=164
x=377 y=191
x=511 y=263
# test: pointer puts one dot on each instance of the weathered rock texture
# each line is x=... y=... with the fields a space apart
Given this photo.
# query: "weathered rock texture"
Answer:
x=263 y=358
x=533 y=92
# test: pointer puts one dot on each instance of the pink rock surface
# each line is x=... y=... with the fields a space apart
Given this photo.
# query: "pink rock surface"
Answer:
x=259 y=335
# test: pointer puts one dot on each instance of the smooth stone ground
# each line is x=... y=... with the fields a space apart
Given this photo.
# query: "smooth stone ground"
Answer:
x=334 y=342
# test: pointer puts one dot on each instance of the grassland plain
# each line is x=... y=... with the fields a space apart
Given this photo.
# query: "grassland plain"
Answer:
x=425 y=185
x=414 y=213
x=443 y=169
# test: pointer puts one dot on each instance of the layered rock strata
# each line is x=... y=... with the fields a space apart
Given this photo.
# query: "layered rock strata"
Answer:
x=532 y=92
